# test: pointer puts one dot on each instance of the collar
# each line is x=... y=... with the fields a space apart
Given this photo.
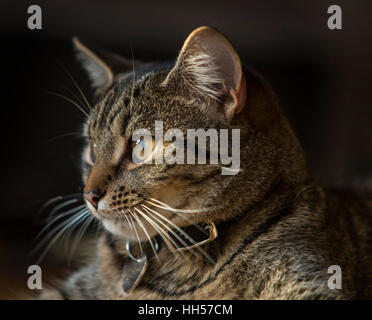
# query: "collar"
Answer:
x=179 y=239
x=190 y=237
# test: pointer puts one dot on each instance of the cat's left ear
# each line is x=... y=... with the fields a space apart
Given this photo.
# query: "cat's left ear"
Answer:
x=209 y=69
x=101 y=66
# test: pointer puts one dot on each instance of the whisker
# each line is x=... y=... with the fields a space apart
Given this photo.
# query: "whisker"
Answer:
x=77 y=87
x=163 y=234
x=129 y=222
x=147 y=235
x=75 y=133
x=69 y=100
x=66 y=236
x=63 y=205
x=135 y=230
x=83 y=228
x=55 y=199
x=74 y=95
x=60 y=216
x=166 y=226
x=56 y=234
x=60 y=225
x=196 y=225
x=206 y=255
x=169 y=208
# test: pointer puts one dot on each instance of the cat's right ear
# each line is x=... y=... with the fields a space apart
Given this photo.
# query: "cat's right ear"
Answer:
x=101 y=66
x=209 y=70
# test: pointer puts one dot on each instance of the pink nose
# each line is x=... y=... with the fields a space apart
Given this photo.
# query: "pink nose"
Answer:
x=92 y=197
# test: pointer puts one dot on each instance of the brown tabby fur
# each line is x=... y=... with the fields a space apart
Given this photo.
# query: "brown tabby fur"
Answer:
x=278 y=231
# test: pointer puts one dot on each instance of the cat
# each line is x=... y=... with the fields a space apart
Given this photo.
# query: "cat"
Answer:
x=267 y=232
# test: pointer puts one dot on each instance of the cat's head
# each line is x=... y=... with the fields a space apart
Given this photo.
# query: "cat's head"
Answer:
x=206 y=88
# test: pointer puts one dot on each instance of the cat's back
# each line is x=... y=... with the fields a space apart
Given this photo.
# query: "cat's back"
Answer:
x=321 y=228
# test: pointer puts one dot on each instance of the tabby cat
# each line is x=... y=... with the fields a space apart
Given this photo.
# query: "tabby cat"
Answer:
x=184 y=231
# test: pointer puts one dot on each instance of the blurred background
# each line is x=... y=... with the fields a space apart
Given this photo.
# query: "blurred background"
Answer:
x=323 y=79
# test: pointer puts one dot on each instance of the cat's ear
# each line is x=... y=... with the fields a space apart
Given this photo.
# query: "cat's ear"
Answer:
x=208 y=68
x=101 y=65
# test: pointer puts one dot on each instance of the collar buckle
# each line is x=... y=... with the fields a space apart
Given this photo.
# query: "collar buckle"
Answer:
x=213 y=234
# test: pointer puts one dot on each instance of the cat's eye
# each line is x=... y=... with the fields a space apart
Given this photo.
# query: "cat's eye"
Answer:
x=142 y=149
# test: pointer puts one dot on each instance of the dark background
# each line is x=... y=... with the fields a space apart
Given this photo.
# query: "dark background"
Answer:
x=322 y=77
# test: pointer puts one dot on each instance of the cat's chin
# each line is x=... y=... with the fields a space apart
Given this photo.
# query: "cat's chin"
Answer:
x=113 y=227
x=123 y=230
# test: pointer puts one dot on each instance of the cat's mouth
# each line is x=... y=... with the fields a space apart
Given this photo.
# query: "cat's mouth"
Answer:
x=126 y=223
x=106 y=211
x=139 y=215
x=141 y=221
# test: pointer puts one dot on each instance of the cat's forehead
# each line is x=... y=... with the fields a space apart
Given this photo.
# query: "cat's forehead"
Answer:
x=136 y=104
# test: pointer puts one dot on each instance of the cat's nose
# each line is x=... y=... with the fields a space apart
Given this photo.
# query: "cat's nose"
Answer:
x=92 y=197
